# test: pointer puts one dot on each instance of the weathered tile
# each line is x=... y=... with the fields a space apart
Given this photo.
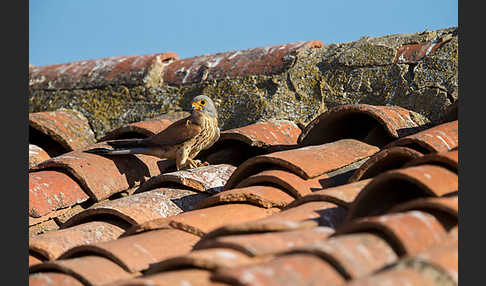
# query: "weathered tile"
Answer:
x=307 y=162
x=114 y=71
x=52 y=244
x=397 y=186
x=385 y=160
x=69 y=128
x=262 y=60
x=375 y=125
x=52 y=190
x=440 y=138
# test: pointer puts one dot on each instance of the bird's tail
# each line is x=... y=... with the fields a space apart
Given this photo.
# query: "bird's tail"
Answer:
x=126 y=143
x=127 y=151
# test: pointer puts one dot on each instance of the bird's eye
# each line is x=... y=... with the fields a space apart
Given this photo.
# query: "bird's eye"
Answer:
x=203 y=102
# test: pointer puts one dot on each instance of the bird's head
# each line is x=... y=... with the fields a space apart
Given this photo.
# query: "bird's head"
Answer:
x=204 y=104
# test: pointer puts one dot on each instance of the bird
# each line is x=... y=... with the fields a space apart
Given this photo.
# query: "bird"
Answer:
x=182 y=140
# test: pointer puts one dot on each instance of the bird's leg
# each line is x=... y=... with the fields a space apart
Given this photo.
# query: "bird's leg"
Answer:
x=201 y=164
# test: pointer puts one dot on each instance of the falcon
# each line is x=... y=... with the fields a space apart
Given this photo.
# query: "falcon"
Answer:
x=182 y=140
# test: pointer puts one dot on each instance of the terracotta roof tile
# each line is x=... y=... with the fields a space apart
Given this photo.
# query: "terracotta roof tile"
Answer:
x=60 y=131
x=446 y=207
x=307 y=162
x=290 y=182
x=263 y=196
x=260 y=225
x=170 y=278
x=237 y=145
x=53 y=279
x=201 y=221
x=444 y=256
x=408 y=232
x=413 y=53
x=52 y=190
x=321 y=212
x=395 y=277
x=90 y=270
x=210 y=259
x=353 y=255
x=146 y=128
x=448 y=160
x=386 y=159
x=124 y=70
x=266 y=243
x=264 y=134
x=440 y=138
x=262 y=60
x=101 y=176
x=210 y=179
x=36 y=155
x=139 y=208
x=136 y=252
x=52 y=244
x=295 y=269
x=393 y=187
x=438 y=263
x=342 y=195
x=376 y=125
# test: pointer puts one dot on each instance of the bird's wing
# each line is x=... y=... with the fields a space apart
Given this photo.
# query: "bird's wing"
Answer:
x=176 y=133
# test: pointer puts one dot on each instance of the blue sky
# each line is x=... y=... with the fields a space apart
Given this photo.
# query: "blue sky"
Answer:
x=62 y=31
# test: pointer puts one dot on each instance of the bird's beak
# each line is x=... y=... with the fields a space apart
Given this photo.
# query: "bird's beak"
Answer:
x=196 y=106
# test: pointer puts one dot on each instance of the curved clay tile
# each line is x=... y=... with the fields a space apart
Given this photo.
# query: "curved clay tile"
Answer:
x=397 y=186
x=236 y=145
x=342 y=195
x=385 y=160
x=444 y=256
x=52 y=190
x=448 y=160
x=52 y=279
x=290 y=182
x=209 y=259
x=144 y=128
x=37 y=155
x=446 y=209
x=321 y=213
x=139 y=208
x=102 y=176
x=191 y=276
x=210 y=179
x=292 y=269
x=408 y=233
x=261 y=60
x=440 y=138
x=90 y=270
x=263 y=196
x=405 y=276
x=135 y=253
x=52 y=244
x=201 y=221
x=306 y=162
x=375 y=125
x=354 y=255
x=266 y=243
x=60 y=131
x=114 y=71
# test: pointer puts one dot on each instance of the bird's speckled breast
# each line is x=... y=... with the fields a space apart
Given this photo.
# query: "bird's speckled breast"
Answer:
x=207 y=137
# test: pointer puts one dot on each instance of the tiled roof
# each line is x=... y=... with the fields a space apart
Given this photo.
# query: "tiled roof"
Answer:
x=361 y=195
